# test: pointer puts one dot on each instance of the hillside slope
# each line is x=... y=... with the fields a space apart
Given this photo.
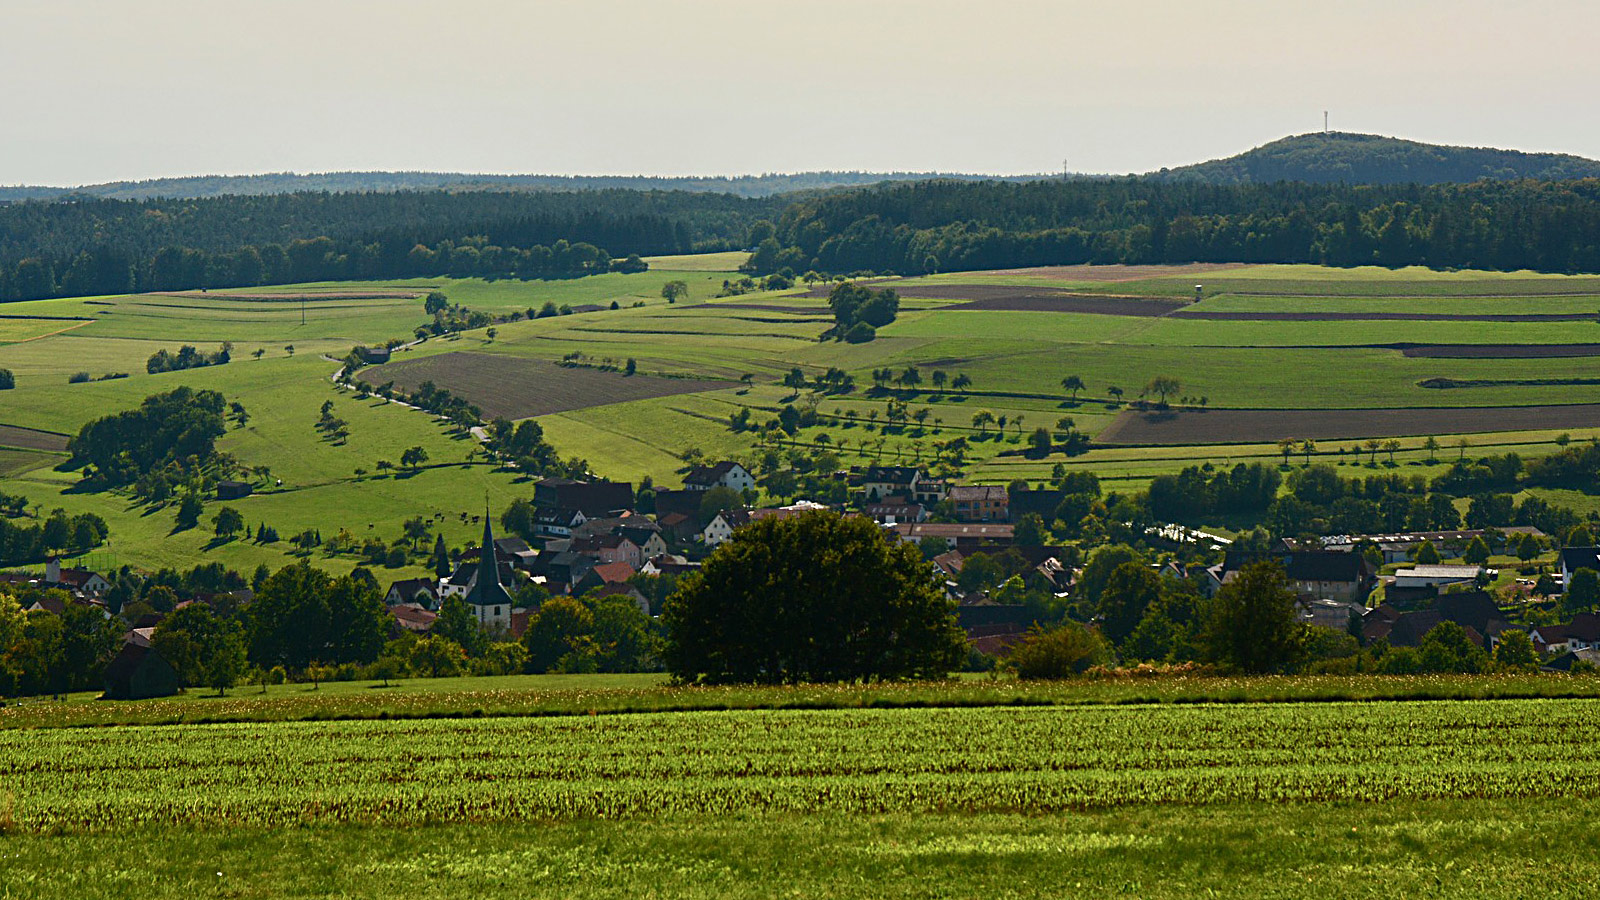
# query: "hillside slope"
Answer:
x=1339 y=157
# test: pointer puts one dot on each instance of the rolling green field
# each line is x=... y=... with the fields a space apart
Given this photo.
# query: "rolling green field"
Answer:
x=1015 y=358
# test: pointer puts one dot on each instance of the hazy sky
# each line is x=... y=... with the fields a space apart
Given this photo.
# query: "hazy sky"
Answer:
x=100 y=91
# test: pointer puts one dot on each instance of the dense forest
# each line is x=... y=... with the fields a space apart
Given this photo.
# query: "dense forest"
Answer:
x=1342 y=158
x=85 y=247
x=952 y=226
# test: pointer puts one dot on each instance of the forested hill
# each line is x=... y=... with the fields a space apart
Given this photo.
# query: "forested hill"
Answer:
x=97 y=246
x=384 y=182
x=1371 y=159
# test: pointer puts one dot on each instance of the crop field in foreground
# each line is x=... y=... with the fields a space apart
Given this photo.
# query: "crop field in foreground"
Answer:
x=865 y=761
x=1441 y=848
x=577 y=695
x=1469 y=849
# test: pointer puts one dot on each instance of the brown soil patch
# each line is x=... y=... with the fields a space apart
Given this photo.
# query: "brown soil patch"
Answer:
x=1118 y=273
x=31 y=439
x=1381 y=316
x=1032 y=299
x=520 y=388
x=1259 y=426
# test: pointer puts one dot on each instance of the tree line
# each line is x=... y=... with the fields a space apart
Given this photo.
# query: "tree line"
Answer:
x=86 y=247
x=932 y=226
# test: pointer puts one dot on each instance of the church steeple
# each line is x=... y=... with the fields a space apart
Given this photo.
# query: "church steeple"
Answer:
x=486 y=589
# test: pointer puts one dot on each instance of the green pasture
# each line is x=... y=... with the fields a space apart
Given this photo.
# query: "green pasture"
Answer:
x=728 y=262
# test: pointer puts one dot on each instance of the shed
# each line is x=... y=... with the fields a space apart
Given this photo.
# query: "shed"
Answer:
x=233 y=490
x=138 y=673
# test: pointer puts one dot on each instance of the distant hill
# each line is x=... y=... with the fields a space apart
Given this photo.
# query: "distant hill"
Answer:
x=1339 y=157
x=388 y=182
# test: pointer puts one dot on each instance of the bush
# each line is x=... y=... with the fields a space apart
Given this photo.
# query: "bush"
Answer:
x=78 y=378
x=860 y=333
x=1063 y=651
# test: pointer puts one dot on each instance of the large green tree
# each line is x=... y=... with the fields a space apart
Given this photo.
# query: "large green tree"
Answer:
x=1252 y=626
x=814 y=597
x=205 y=648
x=303 y=615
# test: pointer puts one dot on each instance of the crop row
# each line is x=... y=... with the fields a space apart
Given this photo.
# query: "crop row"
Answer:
x=1024 y=759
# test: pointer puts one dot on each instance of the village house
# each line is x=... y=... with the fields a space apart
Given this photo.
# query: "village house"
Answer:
x=724 y=524
x=412 y=617
x=1575 y=558
x=557 y=522
x=602 y=575
x=880 y=482
x=423 y=592
x=81 y=582
x=979 y=502
x=609 y=548
x=592 y=498
x=668 y=564
x=957 y=536
x=1474 y=611
x=894 y=510
x=1314 y=574
x=1582 y=633
x=730 y=475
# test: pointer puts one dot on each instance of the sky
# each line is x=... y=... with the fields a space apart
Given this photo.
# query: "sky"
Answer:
x=104 y=90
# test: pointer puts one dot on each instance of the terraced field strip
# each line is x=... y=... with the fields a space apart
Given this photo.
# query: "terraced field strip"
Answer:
x=32 y=439
x=522 y=388
x=1378 y=316
x=790 y=761
x=1242 y=426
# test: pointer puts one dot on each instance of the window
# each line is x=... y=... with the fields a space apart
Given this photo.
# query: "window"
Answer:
x=497 y=611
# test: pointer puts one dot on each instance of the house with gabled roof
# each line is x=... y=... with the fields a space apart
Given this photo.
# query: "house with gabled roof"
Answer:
x=423 y=592
x=980 y=502
x=1575 y=558
x=726 y=474
x=413 y=617
x=79 y=581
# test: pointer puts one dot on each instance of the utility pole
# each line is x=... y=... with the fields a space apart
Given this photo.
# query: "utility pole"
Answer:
x=1324 y=121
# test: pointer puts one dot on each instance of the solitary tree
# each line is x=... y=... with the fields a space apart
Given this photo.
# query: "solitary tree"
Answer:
x=673 y=291
x=1582 y=594
x=814 y=597
x=1162 y=385
x=1308 y=447
x=1115 y=393
x=1072 y=384
x=1286 y=446
x=1432 y=446
x=413 y=457
x=228 y=522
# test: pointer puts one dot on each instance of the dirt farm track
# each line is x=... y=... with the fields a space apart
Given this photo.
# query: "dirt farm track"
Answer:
x=1250 y=426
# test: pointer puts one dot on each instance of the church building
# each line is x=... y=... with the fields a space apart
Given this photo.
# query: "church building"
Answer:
x=488 y=599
